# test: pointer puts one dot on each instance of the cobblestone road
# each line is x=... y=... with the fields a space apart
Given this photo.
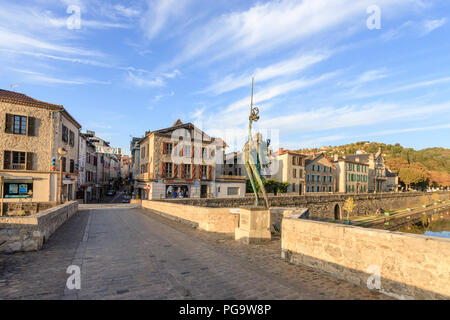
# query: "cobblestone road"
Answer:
x=128 y=253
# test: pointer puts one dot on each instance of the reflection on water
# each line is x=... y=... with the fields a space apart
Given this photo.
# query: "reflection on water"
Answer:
x=444 y=234
x=438 y=228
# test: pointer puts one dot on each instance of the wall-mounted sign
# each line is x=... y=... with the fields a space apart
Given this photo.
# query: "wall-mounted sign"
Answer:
x=109 y=150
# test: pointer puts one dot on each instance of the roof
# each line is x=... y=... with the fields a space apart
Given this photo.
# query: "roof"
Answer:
x=363 y=158
x=22 y=99
x=15 y=97
x=295 y=153
x=311 y=159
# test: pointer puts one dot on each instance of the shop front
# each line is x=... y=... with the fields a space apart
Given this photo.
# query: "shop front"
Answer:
x=18 y=188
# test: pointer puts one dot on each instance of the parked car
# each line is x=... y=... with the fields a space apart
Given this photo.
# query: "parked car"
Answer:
x=111 y=192
x=125 y=200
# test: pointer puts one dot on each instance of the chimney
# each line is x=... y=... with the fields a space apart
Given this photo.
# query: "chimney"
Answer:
x=280 y=151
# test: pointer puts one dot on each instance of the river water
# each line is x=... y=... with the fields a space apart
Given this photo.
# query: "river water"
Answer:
x=438 y=228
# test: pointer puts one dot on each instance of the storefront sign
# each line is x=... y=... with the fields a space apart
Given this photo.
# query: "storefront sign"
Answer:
x=109 y=150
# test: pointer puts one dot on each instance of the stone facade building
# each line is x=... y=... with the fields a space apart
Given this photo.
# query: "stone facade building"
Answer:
x=182 y=162
x=352 y=175
x=289 y=167
x=31 y=131
x=88 y=161
x=320 y=174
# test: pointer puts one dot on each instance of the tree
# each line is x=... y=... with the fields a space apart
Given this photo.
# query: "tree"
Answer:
x=411 y=175
x=349 y=206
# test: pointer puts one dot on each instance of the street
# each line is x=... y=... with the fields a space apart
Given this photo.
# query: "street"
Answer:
x=130 y=253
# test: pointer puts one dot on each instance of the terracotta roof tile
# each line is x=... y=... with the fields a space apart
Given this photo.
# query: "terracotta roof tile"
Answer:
x=15 y=97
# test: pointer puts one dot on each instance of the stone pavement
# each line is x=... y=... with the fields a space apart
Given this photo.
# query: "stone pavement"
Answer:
x=130 y=253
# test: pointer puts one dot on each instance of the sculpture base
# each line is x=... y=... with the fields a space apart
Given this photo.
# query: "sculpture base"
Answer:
x=254 y=225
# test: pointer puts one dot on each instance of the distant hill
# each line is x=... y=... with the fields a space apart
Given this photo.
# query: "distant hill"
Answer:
x=433 y=162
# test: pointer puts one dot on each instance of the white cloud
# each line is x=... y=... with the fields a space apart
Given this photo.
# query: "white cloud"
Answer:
x=274 y=24
x=431 y=25
x=282 y=68
x=144 y=81
x=161 y=13
x=126 y=12
x=272 y=91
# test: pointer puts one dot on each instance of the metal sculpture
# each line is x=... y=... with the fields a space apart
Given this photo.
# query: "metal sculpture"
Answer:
x=255 y=155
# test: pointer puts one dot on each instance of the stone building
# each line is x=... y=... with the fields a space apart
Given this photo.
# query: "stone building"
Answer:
x=125 y=167
x=181 y=162
x=31 y=132
x=352 y=174
x=378 y=180
x=289 y=167
x=320 y=174
x=87 y=177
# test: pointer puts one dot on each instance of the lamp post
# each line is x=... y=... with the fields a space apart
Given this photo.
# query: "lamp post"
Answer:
x=62 y=152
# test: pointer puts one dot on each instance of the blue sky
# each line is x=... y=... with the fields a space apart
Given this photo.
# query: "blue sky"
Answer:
x=322 y=77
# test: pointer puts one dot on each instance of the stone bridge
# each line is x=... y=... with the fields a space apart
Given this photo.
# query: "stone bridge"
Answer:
x=326 y=206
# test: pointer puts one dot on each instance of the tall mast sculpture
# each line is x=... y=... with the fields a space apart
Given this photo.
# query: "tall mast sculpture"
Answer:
x=252 y=155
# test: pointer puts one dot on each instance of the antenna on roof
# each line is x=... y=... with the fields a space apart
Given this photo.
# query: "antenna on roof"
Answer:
x=13 y=86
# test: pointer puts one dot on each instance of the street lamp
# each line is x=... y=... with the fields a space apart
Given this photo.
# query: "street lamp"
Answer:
x=62 y=152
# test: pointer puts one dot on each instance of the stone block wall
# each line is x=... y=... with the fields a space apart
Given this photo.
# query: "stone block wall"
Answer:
x=209 y=219
x=323 y=206
x=29 y=233
x=409 y=266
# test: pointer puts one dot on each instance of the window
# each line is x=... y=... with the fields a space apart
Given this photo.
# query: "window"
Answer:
x=307 y=188
x=324 y=179
x=64 y=164
x=187 y=171
x=324 y=169
x=307 y=178
x=20 y=125
x=204 y=173
x=233 y=191
x=72 y=166
x=318 y=168
x=313 y=166
x=294 y=173
x=65 y=134
x=16 y=160
x=329 y=189
x=169 y=148
x=331 y=169
x=71 y=138
x=169 y=169
x=330 y=178
x=318 y=189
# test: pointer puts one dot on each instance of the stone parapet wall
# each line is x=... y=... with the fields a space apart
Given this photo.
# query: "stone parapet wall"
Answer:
x=209 y=219
x=324 y=205
x=410 y=266
x=29 y=233
x=25 y=208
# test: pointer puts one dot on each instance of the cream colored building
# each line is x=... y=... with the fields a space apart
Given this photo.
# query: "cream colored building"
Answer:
x=289 y=167
x=31 y=131
x=320 y=174
x=352 y=175
x=181 y=162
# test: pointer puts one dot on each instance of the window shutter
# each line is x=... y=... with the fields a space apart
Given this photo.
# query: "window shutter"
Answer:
x=182 y=171
x=209 y=172
x=182 y=151
x=175 y=170
x=30 y=160
x=7 y=160
x=200 y=172
x=31 y=126
x=164 y=148
x=9 y=123
x=192 y=155
x=193 y=171
x=163 y=169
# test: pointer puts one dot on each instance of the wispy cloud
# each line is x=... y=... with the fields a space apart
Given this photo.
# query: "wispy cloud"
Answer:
x=41 y=78
x=140 y=80
x=431 y=25
x=275 y=25
x=283 y=68
x=161 y=13
x=272 y=91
